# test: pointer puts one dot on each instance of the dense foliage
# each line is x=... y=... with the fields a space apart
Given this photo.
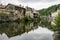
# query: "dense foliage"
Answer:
x=49 y=10
x=56 y=21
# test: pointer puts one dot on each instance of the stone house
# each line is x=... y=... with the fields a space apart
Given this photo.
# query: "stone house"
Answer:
x=29 y=12
x=3 y=17
x=2 y=6
x=6 y=15
x=35 y=14
x=20 y=11
x=11 y=11
x=17 y=12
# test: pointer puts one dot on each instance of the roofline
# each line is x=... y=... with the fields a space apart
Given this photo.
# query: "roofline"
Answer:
x=14 y=5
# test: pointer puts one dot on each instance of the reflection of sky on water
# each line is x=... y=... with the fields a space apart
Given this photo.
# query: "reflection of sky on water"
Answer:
x=38 y=34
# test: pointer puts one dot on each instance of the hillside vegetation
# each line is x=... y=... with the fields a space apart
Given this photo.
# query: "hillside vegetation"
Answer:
x=49 y=10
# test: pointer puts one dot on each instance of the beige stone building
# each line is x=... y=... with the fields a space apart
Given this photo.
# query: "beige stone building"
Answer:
x=13 y=11
x=29 y=12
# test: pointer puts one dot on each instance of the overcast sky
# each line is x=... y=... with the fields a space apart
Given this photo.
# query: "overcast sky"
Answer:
x=37 y=4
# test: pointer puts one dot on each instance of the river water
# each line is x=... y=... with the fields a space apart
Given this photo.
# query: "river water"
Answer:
x=24 y=31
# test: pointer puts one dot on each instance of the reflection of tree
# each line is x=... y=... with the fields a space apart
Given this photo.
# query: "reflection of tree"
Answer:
x=13 y=29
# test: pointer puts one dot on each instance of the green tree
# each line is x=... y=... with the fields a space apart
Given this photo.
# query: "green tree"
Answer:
x=56 y=27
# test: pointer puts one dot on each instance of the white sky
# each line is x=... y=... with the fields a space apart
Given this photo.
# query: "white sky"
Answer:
x=37 y=4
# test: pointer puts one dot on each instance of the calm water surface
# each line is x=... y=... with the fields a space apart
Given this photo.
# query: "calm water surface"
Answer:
x=24 y=31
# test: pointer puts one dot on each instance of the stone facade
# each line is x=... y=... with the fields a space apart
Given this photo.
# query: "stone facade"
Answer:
x=12 y=11
x=18 y=12
x=18 y=9
x=29 y=12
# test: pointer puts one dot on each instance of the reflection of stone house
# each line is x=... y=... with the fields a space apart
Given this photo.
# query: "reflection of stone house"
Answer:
x=13 y=29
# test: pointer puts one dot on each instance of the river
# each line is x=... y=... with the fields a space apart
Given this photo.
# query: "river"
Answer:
x=24 y=31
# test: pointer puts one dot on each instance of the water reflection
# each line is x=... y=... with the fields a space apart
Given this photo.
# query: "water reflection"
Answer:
x=24 y=31
x=37 y=34
x=13 y=29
